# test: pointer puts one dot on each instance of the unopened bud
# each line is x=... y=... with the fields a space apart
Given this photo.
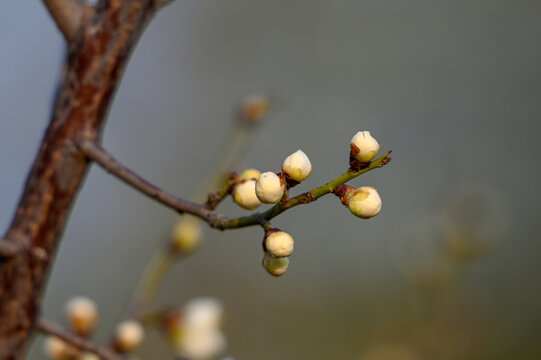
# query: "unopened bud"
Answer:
x=279 y=244
x=269 y=188
x=363 y=202
x=89 y=356
x=129 y=335
x=245 y=196
x=364 y=147
x=55 y=348
x=82 y=314
x=275 y=266
x=249 y=174
x=186 y=235
x=253 y=108
x=297 y=166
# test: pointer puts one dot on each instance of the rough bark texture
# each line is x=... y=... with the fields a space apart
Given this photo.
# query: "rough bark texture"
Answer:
x=95 y=63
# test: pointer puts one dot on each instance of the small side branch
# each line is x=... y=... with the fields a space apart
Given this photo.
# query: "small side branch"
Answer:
x=96 y=153
x=68 y=15
x=75 y=340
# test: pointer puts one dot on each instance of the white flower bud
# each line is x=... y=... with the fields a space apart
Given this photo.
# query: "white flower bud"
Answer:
x=129 y=335
x=55 y=348
x=269 y=188
x=249 y=174
x=202 y=313
x=89 y=356
x=253 y=108
x=363 y=202
x=297 y=166
x=275 y=266
x=82 y=314
x=364 y=147
x=244 y=195
x=186 y=235
x=279 y=244
x=201 y=345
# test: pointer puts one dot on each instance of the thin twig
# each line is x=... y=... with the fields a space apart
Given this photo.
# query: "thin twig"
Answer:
x=95 y=152
x=67 y=14
x=79 y=342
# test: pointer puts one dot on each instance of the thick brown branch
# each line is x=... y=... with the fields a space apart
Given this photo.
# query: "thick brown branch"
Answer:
x=98 y=55
x=77 y=341
x=68 y=15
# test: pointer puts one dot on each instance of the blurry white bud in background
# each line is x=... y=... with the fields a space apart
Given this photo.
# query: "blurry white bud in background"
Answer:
x=186 y=234
x=253 y=108
x=55 y=348
x=200 y=336
x=129 y=335
x=82 y=314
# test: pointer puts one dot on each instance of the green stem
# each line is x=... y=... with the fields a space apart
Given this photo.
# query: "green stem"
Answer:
x=304 y=198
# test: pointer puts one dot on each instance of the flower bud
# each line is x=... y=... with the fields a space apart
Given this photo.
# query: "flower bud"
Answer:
x=297 y=166
x=275 y=266
x=186 y=235
x=82 y=314
x=364 y=147
x=129 y=335
x=269 y=188
x=249 y=174
x=201 y=345
x=89 y=356
x=55 y=348
x=244 y=195
x=279 y=244
x=202 y=314
x=253 y=108
x=363 y=202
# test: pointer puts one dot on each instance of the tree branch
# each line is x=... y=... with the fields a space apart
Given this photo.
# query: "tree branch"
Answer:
x=94 y=68
x=68 y=15
x=96 y=153
x=77 y=341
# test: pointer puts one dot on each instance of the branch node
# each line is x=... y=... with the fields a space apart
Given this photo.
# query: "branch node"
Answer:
x=69 y=16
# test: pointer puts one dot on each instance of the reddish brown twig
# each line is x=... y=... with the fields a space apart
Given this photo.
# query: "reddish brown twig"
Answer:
x=77 y=341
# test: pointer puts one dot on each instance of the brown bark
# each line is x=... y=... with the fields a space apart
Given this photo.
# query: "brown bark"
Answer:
x=96 y=59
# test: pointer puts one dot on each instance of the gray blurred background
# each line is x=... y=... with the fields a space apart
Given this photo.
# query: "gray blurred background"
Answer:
x=448 y=270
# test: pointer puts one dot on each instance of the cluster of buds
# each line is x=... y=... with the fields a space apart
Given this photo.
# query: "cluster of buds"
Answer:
x=82 y=317
x=253 y=188
x=81 y=314
x=195 y=331
x=363 y=202
x=278 y=247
